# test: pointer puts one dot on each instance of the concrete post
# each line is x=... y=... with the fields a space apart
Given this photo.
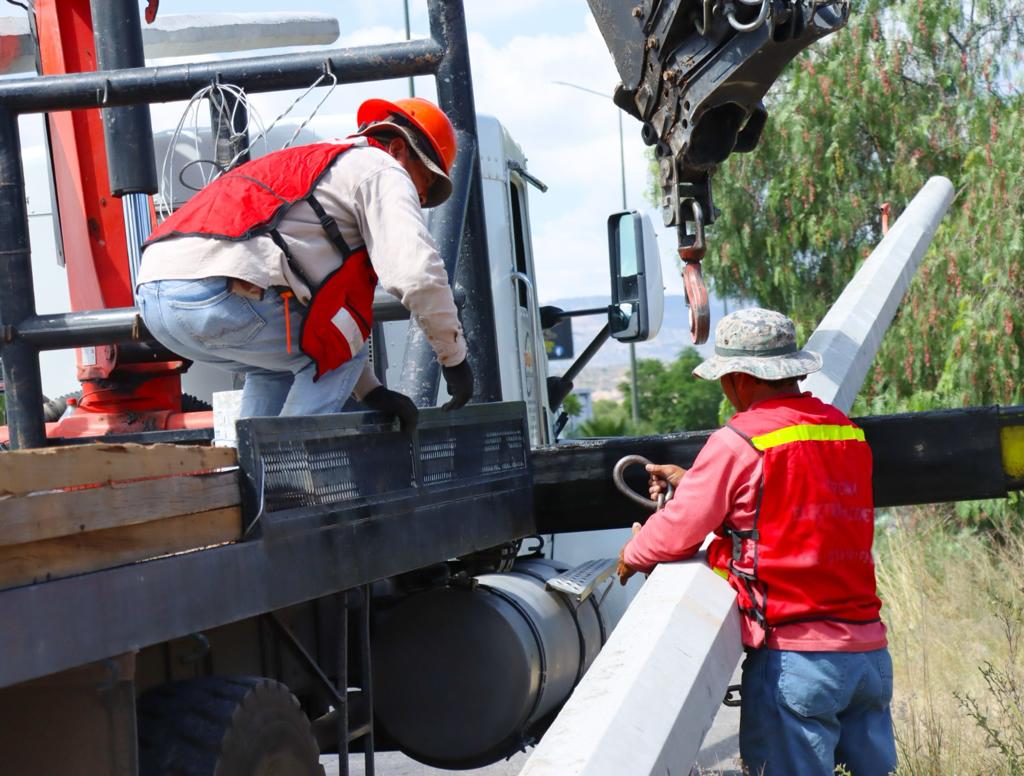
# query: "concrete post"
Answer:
x=850 y=334
x=650 y=697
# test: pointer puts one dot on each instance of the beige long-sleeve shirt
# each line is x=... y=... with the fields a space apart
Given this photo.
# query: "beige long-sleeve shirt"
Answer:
x=375 y=204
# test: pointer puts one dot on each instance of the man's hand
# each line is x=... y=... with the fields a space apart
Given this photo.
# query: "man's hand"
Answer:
x=660 y=476
x=624 y=570
x=394 y=404
x=459 y=379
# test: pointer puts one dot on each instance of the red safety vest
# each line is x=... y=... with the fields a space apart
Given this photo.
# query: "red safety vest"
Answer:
x=808 y=554
x=251 y=200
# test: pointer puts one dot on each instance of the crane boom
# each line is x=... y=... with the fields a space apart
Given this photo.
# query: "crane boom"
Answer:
x=695 y=72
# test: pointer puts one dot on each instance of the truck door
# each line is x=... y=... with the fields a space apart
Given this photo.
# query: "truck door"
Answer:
x=531 y=361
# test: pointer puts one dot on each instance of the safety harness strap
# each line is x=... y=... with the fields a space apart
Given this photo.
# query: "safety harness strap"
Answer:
x=275 y=235
x=330 y=226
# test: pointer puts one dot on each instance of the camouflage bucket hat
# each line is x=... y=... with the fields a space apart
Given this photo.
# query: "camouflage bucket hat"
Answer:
x=758 y=342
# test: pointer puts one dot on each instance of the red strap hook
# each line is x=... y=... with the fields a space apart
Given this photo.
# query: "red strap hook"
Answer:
x=693 y=278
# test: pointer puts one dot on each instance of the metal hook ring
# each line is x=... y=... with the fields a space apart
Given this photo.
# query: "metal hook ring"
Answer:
x=631 y=460
x=692 y=247
x=698 y=224
x=761 y=16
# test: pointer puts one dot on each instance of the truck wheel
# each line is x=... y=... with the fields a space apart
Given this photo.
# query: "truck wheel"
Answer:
x=225 y=726
x=53 y=409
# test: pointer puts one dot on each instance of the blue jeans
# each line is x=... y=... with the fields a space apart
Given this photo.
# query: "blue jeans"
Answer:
x=804 y=713
x=202 y=321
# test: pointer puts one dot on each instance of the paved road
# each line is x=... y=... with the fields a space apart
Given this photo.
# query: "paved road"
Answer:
x=719 y=756
x=396 y=764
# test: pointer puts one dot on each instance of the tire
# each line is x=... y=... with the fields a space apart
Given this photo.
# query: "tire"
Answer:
x=190 y=403
x=225 y=726
x=53 y=409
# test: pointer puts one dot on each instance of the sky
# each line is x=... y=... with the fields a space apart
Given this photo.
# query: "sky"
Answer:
x=518 y=50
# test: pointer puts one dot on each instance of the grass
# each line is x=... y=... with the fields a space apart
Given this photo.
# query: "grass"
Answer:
x=954 y=605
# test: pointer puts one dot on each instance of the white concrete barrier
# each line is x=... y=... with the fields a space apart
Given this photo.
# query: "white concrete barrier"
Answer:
x=182 y=35
x=650 y=697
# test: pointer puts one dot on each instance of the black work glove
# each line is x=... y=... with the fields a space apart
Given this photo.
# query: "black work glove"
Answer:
x=395 y=405
x=459 y=379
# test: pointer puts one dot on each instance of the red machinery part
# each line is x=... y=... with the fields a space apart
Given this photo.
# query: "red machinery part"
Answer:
x=697 y=300
x=119 y=396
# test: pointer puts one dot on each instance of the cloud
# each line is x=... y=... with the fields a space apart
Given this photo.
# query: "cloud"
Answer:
x=571 y=139
x=481 y=12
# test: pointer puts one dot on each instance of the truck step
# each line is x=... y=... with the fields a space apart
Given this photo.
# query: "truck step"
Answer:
x=580 y=582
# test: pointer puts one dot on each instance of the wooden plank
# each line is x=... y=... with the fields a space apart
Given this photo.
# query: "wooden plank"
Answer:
x=62 y=513
x=24 y=564
x=51 y=468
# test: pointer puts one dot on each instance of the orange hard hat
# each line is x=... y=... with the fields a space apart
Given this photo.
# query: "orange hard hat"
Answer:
x=424 y=116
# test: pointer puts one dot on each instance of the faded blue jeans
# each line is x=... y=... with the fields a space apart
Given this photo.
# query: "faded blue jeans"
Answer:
x=803 y=713
x=202 y=321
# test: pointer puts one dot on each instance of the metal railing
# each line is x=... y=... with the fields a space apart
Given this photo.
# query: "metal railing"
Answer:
x=458 y=225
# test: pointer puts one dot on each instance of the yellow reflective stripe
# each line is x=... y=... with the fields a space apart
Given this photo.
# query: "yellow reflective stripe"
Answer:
x=1012 y=438
x=808 y=433
x=723 y=573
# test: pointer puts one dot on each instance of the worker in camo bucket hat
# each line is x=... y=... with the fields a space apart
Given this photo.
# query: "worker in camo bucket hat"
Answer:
x=758 y=342
x=785 y=489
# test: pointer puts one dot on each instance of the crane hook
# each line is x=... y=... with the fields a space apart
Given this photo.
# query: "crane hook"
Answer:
x=693 y=278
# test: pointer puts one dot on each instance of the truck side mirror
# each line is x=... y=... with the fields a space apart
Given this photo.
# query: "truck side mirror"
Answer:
x=638 y=294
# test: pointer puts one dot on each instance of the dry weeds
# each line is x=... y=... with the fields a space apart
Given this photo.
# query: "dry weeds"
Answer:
x=952 y=602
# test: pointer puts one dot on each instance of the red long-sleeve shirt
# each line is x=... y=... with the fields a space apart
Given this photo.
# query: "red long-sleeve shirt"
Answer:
x=723 y=482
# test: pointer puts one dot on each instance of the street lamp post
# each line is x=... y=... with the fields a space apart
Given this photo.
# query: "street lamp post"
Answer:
x=634 y=399
x=408 y=36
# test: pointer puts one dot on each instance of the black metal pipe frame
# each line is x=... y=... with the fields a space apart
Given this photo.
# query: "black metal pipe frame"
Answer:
x=460 y=228
x=324 y=685
x=22 y=379
x=123 y=325
x=229 y=125
x=128 y=129
x=473 y=274
x=366 y=681
x=421 y=372
x=445 y=55
x=58 y=331
x=255 y=74
x=342 y=680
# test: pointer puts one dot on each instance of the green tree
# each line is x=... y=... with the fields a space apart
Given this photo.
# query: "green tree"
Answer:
x=607 y=426
x=671 y=398
x=910 y=89
x=572 y=405
x=610 y=419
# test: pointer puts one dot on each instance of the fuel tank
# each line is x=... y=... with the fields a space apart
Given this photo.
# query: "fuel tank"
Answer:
x=466 y=675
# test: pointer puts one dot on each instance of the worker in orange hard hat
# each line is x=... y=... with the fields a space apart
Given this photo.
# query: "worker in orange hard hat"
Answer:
x=270 y=270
